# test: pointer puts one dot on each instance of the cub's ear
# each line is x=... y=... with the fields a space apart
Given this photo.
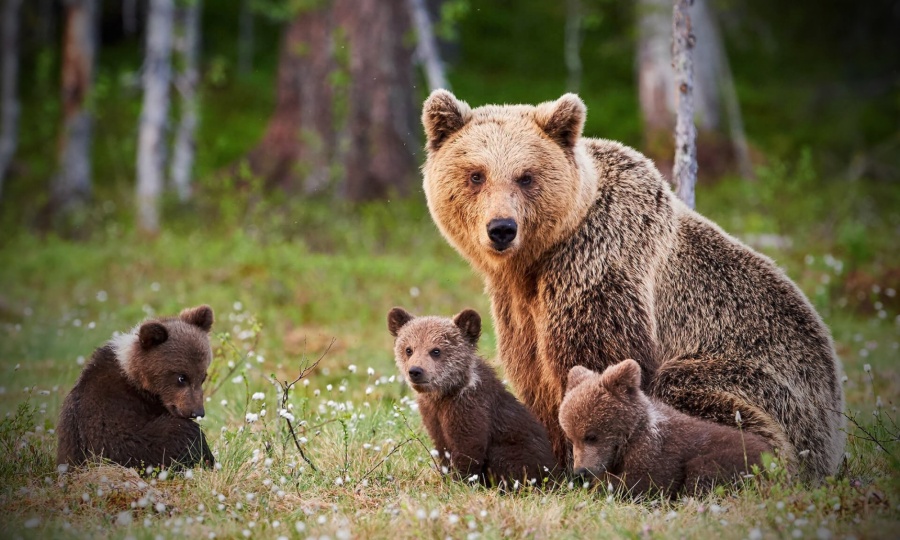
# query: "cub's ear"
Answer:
x=443 y=115
x=577 y=375
x=151 y=334
x=624 y=376
x=469 y=321
x=563 y=119
x=200 y=316
x=397 y=318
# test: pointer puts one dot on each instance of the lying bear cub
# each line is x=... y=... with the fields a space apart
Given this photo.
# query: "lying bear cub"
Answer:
x=479 y=428
x=136 y=398
x=621 y=436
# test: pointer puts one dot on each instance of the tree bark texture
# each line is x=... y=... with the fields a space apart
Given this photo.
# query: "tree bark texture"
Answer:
x=381 y=129
x=684 y=172
x=9 y=93
x=574 y=14
x=345 y=115
x=71 y=186
x=187 y=46
x=427 y=47
x=154 y=114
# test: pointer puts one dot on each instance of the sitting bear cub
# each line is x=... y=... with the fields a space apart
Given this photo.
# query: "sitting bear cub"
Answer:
x=621 y=436
x=477 y=426
x=135 y=400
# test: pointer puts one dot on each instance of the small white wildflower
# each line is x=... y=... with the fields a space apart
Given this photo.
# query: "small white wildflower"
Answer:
x=473 y=478
x=102 y=296
x=300 y=526
x=258 y=396
x=155 y=286
x=370 y=371
x=339 y=481
x=434 y=452
x=160 y=507
x=322 y=520
x=260 y=359
x=803 y=453
x=737 y=416
x=420 y=514
x=251 y=417
x=238 y=379
x=369 y=390
x=163 y=475
x=453 y=519
x=80 y=360
x=262 y=413
x=352 y=368
x=867 y=368
x=286 y=415
x=238 y=306
x=123 y=518
x=755 y=534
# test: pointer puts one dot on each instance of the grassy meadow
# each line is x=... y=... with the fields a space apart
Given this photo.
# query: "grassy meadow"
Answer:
x=294 y=282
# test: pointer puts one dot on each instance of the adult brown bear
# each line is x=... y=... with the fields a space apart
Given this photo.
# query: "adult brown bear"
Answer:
x=589 y=259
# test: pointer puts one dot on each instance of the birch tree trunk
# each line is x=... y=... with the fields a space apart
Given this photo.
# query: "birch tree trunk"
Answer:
x=426 y=47
x=684 y=172
x=574 y=15
x=9 y=94
x=381 y=128
x=245 y=39
x=71 y=186
x=187 y=46
x=154 y=114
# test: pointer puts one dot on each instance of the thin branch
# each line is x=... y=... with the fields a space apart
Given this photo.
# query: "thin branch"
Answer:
x=382 y=460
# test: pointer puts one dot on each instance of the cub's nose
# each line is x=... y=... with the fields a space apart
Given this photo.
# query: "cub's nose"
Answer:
x=502 y=232
x=581 y=472
x=198 y=413
x=416 y=374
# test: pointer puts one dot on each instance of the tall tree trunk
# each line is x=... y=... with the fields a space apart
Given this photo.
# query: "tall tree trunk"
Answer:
x=245 y=38
x=427 y=47
x=72 y=184
x=684 y=173
x=381 y=119
x=655 y=83
x=130 y=17
x=187 y=46
x=151 y=136
x=574 y=14
x=9 y=95
x=296 y=151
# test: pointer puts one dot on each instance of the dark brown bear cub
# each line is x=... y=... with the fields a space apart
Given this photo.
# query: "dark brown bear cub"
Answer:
x=479 y=429
x=136 y=399
x=621 y=436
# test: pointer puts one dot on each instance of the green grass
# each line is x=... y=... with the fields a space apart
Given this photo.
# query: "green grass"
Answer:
x=288 y=278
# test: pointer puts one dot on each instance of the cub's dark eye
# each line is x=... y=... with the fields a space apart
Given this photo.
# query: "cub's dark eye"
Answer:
x=435 y=353
x=182 y=380
x=590 y=439
x=408 y=351
x=525 y=179
x=476 y=178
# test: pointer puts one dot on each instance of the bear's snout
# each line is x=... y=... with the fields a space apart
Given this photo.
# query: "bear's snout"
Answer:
x=502 y=232
x=198 y=413
x=416 y=374
x=582 y=472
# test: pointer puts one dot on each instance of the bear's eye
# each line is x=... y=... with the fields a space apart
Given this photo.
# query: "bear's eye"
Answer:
x=590 y=439
x=476 y=178
x=435 y=353
x=525 y=179
x=408 y=351
x=182 y=380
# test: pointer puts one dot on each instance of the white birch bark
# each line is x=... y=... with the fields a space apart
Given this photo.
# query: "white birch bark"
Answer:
x=151 y=136
x=9 y=95
x=426 y=47
x=187 y=46
x=684 y=172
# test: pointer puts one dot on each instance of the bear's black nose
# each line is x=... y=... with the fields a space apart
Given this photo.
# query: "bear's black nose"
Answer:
x=581 y=472
x=198 y=413
x=502 y=232
x=416 y=374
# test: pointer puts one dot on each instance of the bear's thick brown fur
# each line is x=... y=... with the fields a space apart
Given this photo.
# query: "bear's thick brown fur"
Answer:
x=135 y=400
x=621 y=436
x=589 y=259
x=477 y=426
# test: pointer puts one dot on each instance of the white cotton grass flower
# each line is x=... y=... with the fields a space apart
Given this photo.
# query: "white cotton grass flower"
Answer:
x=737 y=416
x=352 y=368
x=286 y=415
x=258 y=396
x=251 y=417
x=867 y=368
x=370 y=371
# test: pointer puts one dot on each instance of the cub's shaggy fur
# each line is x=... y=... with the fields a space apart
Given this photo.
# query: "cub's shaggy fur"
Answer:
x=621 y=436
x=135 y=401
x=589 y=259
x=477 y=426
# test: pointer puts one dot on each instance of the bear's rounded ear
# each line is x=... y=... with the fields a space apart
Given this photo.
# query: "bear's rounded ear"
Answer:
x=624 y=376
x=577 y=375
x=397 y=318
x=151 y=334
x=443 y=115
x=200 y=316
x=469 y=322
x=563 y=119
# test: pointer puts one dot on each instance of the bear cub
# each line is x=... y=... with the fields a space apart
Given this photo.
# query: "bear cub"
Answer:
x=621 y=436
x=136 y=398
x=478 y=427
